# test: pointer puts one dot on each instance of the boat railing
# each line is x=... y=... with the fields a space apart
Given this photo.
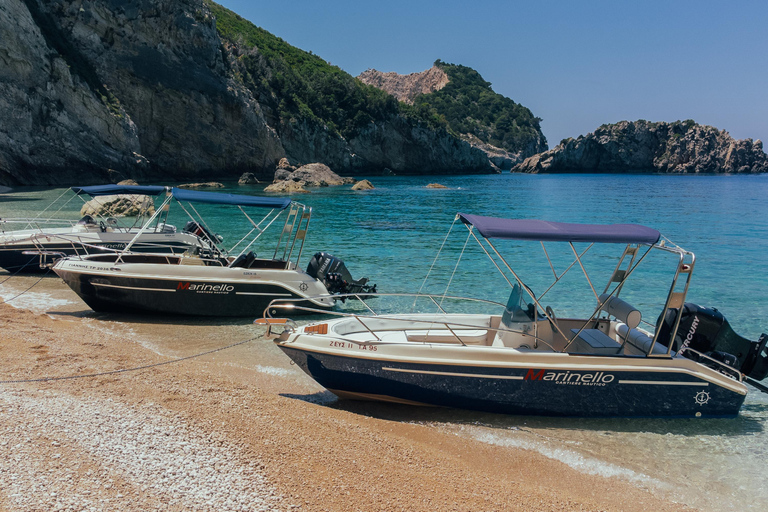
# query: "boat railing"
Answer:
x=715 y=364
x=22 y=223
x=298 y=304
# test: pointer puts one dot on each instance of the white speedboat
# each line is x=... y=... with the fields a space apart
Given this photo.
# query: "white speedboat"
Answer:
x=217 y=282
x=522 y=358
x=31 y=245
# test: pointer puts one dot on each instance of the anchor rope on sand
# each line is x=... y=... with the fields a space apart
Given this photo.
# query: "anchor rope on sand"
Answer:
x=5 y=301
x=125 y=370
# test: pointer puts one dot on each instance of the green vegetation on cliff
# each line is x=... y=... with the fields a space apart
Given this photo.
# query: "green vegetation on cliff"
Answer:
x=468 y=105
x=297 y=84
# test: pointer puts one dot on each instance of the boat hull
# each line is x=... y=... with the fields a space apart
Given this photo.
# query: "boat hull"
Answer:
x=560 y=388
x=224 y=292
x=14 y=259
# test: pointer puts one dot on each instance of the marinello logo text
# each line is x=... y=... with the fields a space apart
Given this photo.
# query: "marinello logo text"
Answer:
x=571 y=378
x=206 y=288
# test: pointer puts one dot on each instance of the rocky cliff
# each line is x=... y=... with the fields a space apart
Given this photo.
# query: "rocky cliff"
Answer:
x=645 y=147
x=458 y=98
x=102 y=90
x=406 y=87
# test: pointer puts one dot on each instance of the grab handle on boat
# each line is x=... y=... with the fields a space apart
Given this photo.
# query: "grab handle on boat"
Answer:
x=287 y=323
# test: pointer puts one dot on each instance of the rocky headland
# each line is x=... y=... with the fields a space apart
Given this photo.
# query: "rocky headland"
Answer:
x=467 y=105
x=646 y=147
x=95 y=92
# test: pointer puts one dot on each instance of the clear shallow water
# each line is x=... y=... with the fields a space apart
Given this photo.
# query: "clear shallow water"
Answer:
x=391 y=234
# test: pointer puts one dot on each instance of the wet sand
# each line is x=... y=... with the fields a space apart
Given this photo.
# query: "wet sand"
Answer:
x=237 y=429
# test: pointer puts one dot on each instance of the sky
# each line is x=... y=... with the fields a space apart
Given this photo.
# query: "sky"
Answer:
x=576 y=65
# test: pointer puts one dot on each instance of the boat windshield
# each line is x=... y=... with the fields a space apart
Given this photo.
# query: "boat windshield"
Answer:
x=517 y=310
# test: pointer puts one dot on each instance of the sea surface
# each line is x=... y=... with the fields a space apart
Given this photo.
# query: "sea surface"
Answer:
x=392 y=235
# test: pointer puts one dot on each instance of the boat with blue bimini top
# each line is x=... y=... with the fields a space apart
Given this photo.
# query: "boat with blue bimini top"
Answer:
x=33 y=244
x=522 y=358
x=215 y=282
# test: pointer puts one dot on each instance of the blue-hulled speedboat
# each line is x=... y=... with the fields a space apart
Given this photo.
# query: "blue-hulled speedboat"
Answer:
x=522 y=358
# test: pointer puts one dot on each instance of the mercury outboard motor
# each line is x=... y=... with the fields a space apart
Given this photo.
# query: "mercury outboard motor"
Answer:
x=334 y=274
x=706 y=331
x=198 y=229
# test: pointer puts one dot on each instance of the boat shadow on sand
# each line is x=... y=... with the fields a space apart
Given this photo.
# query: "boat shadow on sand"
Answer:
x=744 y=424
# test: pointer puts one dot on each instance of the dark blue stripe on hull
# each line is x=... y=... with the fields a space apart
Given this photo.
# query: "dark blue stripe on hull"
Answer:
x=531 y=391
x=122 y=295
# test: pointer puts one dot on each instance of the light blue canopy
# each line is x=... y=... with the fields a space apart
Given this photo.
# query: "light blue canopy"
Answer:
x=108 y=190
x=197 y=196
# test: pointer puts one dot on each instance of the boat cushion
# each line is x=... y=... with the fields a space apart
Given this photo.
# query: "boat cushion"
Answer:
x=639 y=339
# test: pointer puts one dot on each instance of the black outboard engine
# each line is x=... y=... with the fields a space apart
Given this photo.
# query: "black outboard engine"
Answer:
x=198 y=229
x=334 y=274
x=706 y=331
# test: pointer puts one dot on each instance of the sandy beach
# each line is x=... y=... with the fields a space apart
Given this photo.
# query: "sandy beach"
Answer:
x=216 y=432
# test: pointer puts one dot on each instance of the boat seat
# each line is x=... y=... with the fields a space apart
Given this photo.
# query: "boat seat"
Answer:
x=467 y=336
x=244 y=260
x=593 y=341
x=639 y=339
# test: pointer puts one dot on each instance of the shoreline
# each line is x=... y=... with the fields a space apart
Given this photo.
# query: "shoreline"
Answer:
x=219 y=432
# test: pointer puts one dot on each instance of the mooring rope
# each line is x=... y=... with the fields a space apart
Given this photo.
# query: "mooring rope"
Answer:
x=125 y=370
x=5 y=301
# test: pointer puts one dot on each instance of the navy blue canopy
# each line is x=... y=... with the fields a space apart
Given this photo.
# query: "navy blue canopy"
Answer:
x=546 y=231
x=108 y=190
x=197 y=196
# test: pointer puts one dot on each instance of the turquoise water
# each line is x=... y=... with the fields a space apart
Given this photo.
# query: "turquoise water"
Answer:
x=391 y=235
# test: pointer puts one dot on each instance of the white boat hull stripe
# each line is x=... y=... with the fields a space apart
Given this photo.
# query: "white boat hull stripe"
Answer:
x=664 y=383
x=133 y=287
x=454 y=374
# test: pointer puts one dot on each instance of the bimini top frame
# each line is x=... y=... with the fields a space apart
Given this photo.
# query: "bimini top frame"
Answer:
x=633 y=235
x=275 y=204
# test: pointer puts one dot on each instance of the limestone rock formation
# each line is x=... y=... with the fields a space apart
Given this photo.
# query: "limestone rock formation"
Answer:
x=100 y=91
x=248 y=178
x=645 y=147
x=435 y=185
x=207 y=184
x=363 y=185
x=287 y=187
x=122 y=205
x=312 y=175
x=406 y=87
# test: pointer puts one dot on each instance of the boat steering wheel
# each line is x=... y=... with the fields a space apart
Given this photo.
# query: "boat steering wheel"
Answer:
x=552 y=318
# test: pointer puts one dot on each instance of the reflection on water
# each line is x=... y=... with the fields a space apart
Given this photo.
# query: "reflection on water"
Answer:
x=390 y=234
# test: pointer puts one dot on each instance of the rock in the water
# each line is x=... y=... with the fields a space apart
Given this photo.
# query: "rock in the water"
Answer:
x=436 y=185
x=363 y=185
x=129 y=205
x=312 y=175
x=248 y=178
x=284 y=164
x=128 y=182
x=642 y=146
x=209 y=184
x=287 y=187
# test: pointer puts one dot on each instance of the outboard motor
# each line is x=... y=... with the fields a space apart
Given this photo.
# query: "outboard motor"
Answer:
x=199 y=230
x=706 y=331
x=334 y=275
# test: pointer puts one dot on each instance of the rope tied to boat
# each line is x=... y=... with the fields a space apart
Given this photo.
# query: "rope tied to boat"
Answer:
x=126 y=370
